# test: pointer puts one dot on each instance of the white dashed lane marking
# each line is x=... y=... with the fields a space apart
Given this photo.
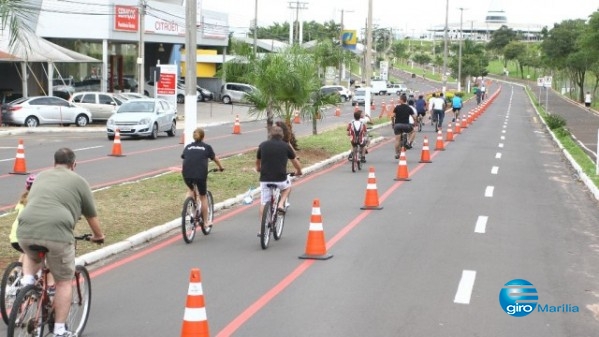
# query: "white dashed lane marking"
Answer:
x=498 y=155
x=494 y=169
x=481 y=224
x=464 y=293
x=489 y=191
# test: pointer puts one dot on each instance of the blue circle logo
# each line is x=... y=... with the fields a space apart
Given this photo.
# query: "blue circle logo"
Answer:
x=518 y=298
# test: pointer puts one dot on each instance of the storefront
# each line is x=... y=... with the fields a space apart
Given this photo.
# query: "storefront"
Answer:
x=109 y=30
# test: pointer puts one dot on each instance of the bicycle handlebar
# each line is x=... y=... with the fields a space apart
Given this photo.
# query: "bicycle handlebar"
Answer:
x=88 y=237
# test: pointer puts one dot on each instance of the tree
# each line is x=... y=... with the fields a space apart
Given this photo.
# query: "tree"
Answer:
x=563 y=51
x=513 y=52
x=589 y=43
x=500 y=39
x=16 y=16
x=399 y=50
x=474 y=60
x=422 y=59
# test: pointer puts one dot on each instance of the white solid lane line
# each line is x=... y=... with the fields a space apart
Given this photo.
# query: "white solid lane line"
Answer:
x=489 y=191
x=481 y=224
x=464 y=292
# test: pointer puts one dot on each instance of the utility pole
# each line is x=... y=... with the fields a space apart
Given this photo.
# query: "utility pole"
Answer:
x=460 y=50
x=368 y=58
x=297 y=5
x=191 y=93
x=141 y=48
x=444 y=75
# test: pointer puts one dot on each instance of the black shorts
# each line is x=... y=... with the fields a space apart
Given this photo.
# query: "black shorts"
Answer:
x=201 y=183
x=457 y=109
x=421 y=113
x=400 y=127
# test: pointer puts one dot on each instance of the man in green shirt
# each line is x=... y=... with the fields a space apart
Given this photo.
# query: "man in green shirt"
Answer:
x=56 y=202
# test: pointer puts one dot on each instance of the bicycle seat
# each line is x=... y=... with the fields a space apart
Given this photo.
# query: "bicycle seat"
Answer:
x=38 y=248
x=271 y=185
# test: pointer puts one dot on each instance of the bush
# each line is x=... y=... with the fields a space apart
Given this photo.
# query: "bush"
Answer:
x=555 y=121
x=562 y=132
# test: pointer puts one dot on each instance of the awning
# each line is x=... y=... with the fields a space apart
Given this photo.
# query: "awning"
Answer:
x=37 y=49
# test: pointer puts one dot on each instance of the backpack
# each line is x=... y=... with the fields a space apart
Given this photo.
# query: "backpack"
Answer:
x=356 y=133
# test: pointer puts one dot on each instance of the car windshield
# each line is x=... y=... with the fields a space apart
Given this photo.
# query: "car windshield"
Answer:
x=136 y=107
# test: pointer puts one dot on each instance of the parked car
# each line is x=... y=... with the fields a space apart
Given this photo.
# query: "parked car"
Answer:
x=149 y=91
x=235 y=92
x=203 y=94
x=360 y=96
x=101 y=105
x=144 y=117
x=397 y=88
x=37 y=110
x=125 y=96
x=344 y=93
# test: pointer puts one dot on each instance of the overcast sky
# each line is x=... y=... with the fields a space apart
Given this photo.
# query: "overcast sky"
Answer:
x=408 y=16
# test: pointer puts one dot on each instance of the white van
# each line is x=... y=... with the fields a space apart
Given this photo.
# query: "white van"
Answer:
x=235 y=92
x=378 y=87
x=360 y=96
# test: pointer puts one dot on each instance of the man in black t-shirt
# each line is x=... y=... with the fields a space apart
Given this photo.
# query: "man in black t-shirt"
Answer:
x=271 y=162
x=401 y=123
x=195 y=167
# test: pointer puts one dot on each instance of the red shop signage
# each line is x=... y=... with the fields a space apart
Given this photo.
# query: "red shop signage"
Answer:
x=126 y=18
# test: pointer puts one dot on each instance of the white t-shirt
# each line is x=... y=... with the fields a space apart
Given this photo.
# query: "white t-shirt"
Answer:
x=438 y=103
x=587 y=98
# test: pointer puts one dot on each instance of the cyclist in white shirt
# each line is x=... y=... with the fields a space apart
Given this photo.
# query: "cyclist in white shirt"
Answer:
x=438 y=111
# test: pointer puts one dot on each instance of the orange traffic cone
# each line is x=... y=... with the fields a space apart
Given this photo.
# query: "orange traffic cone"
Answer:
x=464 y=123
x=195 y=323
x=439 y=145
x=315 y=246
x=337 y=112
x=236 y=126
x=425 y=155
x=20 y=167
x=457 y=127
x=449 y=135
x=182 y=139
x=402 y=168
x=296 y=119
x=383 y=109
x=371 y=201
x=117 y=151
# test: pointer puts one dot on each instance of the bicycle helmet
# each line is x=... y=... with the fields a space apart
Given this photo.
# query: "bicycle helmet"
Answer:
x=29 y=181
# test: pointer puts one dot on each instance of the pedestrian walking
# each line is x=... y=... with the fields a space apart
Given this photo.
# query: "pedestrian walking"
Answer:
x=587 y=100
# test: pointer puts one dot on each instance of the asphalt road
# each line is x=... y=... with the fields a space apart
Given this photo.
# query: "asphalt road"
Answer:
x=499 y=204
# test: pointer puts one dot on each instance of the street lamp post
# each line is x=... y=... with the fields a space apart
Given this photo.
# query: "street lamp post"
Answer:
x=444 y=75
x=141 y=47
x=255 y=27
x=460 y=51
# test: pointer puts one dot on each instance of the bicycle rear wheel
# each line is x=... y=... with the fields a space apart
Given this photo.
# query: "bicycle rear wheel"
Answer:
x=188 y=220
x=11 y=283
x=26 y=318
x=204 y=224
x=265 y=225
x=81 y=301
x=355 y=160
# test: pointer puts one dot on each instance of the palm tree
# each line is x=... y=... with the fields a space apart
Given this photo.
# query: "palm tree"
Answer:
x=16 y=15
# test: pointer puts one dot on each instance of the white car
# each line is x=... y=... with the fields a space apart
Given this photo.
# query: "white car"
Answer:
x=144 y=117
x=344 y=93
x=101 y=104
x=36 y=110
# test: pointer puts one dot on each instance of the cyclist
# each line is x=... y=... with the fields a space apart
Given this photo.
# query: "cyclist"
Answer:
x=401 y=123
x=195 y=167
x=56 y=201
x=438 y=109
x=358 y=133
x=420 y=109
x=456 y=104
x=271 y=161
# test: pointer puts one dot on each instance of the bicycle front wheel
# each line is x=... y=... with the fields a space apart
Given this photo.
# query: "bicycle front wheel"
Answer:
x=207 y=225
x=279 y=223
x=188 y=220
x=81 y=301
x=11 y=283
x=26 y=318
x=265 y=226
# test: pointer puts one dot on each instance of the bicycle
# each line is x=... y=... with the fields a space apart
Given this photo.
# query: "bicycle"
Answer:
x=419 y=119
x=355 y=158
x=272 y=221
x=33 y=310
x=191 y=216
x=10 y=285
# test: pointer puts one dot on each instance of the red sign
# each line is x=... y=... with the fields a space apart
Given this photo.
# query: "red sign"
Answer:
x=126 y=18
x=167 y=84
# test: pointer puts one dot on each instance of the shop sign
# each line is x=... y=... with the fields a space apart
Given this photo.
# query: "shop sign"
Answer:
x=126 y=18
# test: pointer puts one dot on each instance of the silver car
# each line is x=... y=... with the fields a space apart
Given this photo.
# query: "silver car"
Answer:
x=102 y=105
x=144 y=117
x=235 y=92
x=38 y=110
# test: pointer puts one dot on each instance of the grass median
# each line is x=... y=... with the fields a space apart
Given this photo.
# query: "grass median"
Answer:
x=130 y=208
